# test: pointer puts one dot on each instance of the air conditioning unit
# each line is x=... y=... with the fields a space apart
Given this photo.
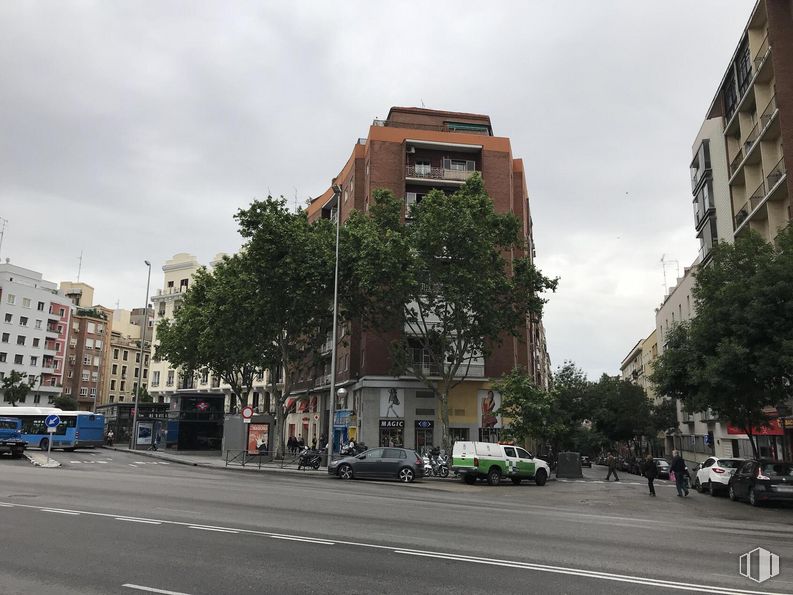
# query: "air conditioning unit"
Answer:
x=410 y=150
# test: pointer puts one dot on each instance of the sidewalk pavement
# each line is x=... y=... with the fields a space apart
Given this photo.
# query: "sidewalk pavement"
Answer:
x=214 y=460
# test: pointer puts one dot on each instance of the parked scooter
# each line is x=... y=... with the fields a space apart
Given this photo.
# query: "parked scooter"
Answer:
x=309 y=458
x=440 y=465
x=351 y=451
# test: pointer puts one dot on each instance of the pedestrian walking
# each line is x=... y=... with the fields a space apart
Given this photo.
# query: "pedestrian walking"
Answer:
x=301 y=444
x=290 y=445
x=678 y=467
x=314 y=443
x=110 y=437
x=612 y=464
x=650 y=472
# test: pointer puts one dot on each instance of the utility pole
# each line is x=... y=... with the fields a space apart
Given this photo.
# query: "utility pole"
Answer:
x=80 y=266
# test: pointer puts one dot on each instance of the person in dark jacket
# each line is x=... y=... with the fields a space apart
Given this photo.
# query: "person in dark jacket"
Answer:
x=611 y=461
x=678 y=467
x=650 y=471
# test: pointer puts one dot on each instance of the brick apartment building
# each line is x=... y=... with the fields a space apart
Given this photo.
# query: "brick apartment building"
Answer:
x=411 y=152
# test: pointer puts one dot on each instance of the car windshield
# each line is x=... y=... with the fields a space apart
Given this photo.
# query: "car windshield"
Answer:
x=729 y=463
x=778 y=469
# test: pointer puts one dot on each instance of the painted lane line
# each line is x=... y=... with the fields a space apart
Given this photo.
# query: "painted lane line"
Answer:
x=304 y=539
x=219 y=530
x=587 y=574
x=153 y=590
x=145 y=521
x=60 y=511
x=457 y=557
x=4 y=505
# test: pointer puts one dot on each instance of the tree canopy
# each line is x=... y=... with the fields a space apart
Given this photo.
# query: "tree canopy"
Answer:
x=437 y=283
x=15 y=387
x=736 y=356
x=65 y=402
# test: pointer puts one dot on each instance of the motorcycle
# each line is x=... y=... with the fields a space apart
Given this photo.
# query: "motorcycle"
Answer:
x=309 y=458
x=347 y=451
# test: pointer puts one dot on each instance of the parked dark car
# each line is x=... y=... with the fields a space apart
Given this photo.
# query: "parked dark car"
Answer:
x=762 y=480
x=383 y=463
x=586 y=461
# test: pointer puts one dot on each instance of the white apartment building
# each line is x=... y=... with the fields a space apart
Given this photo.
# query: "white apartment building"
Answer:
x=34 y=327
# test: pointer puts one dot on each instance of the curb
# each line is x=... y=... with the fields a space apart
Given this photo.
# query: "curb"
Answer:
x=38 y=463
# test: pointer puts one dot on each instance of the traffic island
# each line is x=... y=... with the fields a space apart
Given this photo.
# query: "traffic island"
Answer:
x=41 y=460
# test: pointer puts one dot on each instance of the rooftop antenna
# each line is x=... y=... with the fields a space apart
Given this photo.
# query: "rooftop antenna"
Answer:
x=118 y=304
x=295 y=187
x=80 y=266
x=422 y=102
x=2 y=231
x=665 y=262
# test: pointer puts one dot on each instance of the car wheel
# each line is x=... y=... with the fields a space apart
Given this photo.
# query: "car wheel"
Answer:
x=469 y=478
x=753 y=498
x=406 y=475
x=540 y=477
x=712 y=489
x=44 y=444
x=345 y=472
x=698 y=485
x=494 y=477
x=515 y=480
x=732 y=495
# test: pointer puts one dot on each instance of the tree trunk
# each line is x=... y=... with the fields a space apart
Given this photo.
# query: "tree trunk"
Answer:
x=753 y=442
x=280 y=421
x=445 y=438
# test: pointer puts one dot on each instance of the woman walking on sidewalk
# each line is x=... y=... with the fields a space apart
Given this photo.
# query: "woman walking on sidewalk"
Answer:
x=650 y=472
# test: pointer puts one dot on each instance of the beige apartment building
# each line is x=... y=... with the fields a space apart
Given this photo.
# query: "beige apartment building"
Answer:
x=637 y=365
x=122 y=367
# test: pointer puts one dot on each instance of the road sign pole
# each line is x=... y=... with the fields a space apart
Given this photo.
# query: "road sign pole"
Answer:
x=49 y=445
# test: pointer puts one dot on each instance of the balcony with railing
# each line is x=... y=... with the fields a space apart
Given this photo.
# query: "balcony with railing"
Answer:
x=451 y=172
x=322 y=380
x=761 y=54
x=736 y=161
x=777 y=173
x=445 y=127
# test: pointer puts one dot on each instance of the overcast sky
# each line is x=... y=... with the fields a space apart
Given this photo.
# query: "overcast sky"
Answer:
x=135 y=130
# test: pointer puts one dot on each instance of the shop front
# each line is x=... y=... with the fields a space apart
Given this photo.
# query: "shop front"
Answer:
x=425 y=435
x=392 y=432
x=302 y=419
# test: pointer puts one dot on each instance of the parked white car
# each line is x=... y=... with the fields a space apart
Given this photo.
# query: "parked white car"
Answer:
x=714 y=474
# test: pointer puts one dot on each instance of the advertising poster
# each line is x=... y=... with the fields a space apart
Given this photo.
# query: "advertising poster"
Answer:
x=489 y=405
x=258 y=438
x=144 y=434
x=392 y=402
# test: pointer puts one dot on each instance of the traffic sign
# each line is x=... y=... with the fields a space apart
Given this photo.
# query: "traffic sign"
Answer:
x=247 y=414
x=52 y=421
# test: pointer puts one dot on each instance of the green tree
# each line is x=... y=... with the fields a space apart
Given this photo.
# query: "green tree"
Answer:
x=216 y=327
x=142 y=395
x=65 y=402
x=620 y=409
x=736 y=356
x=570 y=389
x=525 y=407
x=437 y=286
x=15 y=387
x=290 y=263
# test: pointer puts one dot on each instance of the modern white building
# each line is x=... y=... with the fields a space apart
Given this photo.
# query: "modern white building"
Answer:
x=34 y=328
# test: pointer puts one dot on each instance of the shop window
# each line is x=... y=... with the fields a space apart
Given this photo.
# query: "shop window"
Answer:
x=489 y=434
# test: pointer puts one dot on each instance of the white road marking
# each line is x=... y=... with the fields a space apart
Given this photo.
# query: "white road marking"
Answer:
x=153 y=590
x=304 y=539
x=441 y=555
x=75 y=462
x=219 y=530
x=132 y=465
x=146 y=521
x=587 y=573
x=6 y=505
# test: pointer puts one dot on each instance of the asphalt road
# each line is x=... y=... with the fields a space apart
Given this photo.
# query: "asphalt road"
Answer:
x=127 y=525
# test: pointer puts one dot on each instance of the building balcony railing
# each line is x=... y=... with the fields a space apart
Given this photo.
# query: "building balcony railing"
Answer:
x=768 y=113
x=762 y=54
x=438 y=173
x=753 y=135
x=322 y=380
x=776 y=174
x=736 y=161
x=434 y=127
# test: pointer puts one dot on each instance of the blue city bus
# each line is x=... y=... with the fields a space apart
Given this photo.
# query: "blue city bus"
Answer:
x=78 y=429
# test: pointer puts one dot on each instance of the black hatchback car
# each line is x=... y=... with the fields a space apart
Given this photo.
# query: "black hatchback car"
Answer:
x=381 y=463
x=762 y=480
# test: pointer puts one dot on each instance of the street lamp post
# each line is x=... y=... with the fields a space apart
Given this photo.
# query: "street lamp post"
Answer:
x=133 y=439
x=331 y=395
